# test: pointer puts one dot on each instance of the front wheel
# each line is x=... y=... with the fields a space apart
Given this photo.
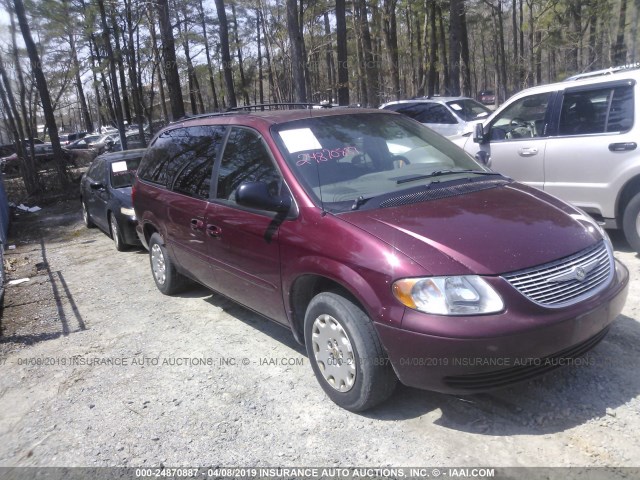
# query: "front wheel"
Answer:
x=86 y=218
x=167 y=278
x=631 y=222
x=116 y=234
x=346 y=354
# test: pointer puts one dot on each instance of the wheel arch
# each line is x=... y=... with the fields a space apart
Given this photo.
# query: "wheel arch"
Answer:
x=630 y=189
x=306 y=286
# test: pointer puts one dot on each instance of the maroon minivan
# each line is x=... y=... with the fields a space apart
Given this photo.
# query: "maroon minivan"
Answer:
x=386 y=250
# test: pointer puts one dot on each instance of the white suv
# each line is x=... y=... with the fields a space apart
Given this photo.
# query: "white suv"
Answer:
x=576 y=139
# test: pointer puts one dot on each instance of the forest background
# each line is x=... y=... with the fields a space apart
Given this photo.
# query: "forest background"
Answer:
x=80 y=65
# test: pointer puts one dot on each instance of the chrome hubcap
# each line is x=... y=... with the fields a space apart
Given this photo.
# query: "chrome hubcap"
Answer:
x=638 y=225
x=334 y=353
x=157 y=264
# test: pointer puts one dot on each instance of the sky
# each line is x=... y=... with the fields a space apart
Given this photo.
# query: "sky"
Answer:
x=4 y=24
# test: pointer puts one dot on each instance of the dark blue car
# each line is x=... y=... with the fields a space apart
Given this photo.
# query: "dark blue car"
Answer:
x=105 y=193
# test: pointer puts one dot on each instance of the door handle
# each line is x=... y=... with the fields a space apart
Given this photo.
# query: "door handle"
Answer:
x=196 y=224
x=528 y=151
x=214 y=231
x=623 y=146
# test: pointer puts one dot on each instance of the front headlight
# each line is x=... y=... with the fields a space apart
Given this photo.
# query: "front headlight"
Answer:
x=127 y=211
x=464 y=295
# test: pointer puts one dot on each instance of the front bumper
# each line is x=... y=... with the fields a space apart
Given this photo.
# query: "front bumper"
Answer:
x=486 y=360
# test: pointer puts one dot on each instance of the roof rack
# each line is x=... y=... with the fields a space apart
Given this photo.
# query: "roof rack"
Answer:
x=254 y=108
x=203 y=115
x=606 y=71
x=277 y=106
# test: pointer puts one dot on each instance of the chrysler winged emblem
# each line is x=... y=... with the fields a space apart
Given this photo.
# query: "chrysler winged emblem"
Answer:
x=577 y=273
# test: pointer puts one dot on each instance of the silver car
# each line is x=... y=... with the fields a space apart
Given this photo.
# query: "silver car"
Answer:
x=449 y=116
x=577 y=140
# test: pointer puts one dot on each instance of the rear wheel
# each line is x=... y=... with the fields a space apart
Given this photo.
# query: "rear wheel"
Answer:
x=346 y=354
x=167 y=278
x=631 y=222
x=116 y=234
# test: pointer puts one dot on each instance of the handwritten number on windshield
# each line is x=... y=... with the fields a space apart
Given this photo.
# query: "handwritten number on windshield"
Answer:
x=325 y=155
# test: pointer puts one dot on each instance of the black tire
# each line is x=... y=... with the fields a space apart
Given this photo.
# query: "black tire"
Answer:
x=363 y=375
x=86 y=217
x=167 y=278
x=116 y=233
x=631 y=222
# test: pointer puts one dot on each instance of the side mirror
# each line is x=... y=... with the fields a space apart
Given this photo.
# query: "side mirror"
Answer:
x=478 y=134
x=257 y=195
x=96 y=186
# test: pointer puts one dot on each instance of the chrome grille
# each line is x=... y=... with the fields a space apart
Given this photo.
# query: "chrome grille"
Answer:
x=566 y=281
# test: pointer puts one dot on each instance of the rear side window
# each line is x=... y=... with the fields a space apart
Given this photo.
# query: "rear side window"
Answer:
x=426 y=112
x=245 y=159
x=97 y=172
x=600 y=110
x=182 y=159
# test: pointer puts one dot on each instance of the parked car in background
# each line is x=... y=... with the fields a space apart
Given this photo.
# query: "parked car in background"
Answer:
x=133 y=141
x=80 y=144
x=449 y=116
x=104 y=142
x=487 y=97
x=66 y=139
x=385 y=248
x=577 y=140
x=105 y=194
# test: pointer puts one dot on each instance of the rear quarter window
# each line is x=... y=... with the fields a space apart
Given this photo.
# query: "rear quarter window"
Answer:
x=174 y=150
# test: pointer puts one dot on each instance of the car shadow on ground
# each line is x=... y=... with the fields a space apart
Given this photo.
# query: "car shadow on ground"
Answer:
x=590 y=389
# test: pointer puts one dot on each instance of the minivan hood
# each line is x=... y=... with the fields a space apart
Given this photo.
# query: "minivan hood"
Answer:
x=493 y=231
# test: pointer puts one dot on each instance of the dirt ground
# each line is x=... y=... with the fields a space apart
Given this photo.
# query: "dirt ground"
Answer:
x=97 y=368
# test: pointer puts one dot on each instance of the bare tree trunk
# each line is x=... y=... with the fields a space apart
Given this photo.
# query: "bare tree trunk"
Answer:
x=170 y=62
x=243 y=82
x=371 y=70
x=126 y=106
x=620 y=49
x=260 y=84
x=328 y=57
x=299 y=86
x=43 y=89
x=136 y=91
x=29 y=171
x=433 y=50
x=341 y=51
x=190 y=73
x=443 y=46
x=207 y=52
x=389 y=26
x=226 y=56
x=464 y=54
x=114 y=75
x=273 y=88
x=158 y=61
x=27 y=165
x=455 y=47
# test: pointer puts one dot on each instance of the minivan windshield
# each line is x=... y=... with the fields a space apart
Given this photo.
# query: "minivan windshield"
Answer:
x=345 y=160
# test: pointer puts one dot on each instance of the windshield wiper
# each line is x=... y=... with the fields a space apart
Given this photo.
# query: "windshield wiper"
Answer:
x=358 y=202
x=440 y=173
